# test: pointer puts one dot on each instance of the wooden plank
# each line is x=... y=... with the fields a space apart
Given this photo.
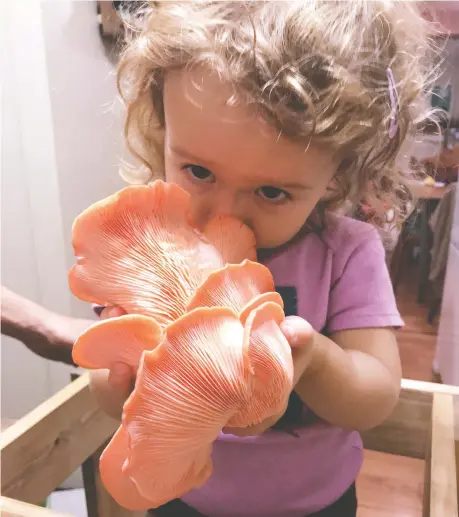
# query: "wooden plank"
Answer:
x=99 y=502
x=427 y=476
x=456 y=438
x=443 y=481
x=42 y=449
x=456 y=443
x=406 y=432
x=13 y=508
x=429 y=387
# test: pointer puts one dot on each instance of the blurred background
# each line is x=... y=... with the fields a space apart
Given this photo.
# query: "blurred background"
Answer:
x=61 y=149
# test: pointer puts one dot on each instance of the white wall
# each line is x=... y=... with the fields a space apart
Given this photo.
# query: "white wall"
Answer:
x=87 y=120
x=33 y=261
x=61 y=145
x=27 y=384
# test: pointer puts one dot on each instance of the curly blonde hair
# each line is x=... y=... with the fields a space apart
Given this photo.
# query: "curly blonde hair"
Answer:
x=315 y=69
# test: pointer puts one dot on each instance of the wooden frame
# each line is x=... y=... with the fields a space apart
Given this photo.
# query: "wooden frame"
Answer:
x=42 y=449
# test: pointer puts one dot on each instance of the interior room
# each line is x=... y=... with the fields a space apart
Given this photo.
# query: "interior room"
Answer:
x=63 y=149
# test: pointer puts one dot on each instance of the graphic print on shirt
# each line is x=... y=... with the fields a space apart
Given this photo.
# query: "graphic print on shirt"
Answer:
x=290 y=297
x=292 y=416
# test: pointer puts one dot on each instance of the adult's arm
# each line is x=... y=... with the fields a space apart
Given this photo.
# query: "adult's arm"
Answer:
x=44 y=332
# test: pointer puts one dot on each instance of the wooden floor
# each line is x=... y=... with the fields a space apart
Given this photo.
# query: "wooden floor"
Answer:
x=392 y=486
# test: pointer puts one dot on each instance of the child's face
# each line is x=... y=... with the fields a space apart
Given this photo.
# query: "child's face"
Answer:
x=232 y=162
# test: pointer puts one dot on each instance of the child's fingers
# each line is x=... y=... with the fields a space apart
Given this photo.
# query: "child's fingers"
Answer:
x=121 y=375
x=121 y=378
x=298 y=331
x=110 y=399
x=112 y=387
x=111 y=312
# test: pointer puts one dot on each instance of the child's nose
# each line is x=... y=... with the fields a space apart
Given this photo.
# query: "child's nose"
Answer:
x=221 y=204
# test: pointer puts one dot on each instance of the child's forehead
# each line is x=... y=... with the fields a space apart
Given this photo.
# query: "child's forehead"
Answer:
x=204 y=128
x=205 y=94
x=198 y=107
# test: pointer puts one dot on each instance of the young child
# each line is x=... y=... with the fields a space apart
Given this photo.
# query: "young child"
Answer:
x=279 y=113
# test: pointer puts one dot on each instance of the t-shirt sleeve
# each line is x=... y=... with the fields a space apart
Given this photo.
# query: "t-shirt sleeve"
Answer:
x=362 y=296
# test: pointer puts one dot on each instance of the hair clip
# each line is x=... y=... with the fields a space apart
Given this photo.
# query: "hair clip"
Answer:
x=393 y=95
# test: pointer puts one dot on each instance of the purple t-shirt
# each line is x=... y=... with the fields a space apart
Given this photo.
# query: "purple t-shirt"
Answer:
x=342 y=282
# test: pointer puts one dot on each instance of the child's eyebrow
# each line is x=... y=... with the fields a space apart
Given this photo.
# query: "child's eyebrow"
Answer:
x=185 y=154
x=294 y=186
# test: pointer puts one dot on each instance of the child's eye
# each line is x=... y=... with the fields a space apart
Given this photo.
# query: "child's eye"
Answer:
x=273 y=194
x=199 y=173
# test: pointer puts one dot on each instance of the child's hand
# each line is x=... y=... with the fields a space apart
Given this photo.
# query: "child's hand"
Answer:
x=112 y=387
x=301 y=337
